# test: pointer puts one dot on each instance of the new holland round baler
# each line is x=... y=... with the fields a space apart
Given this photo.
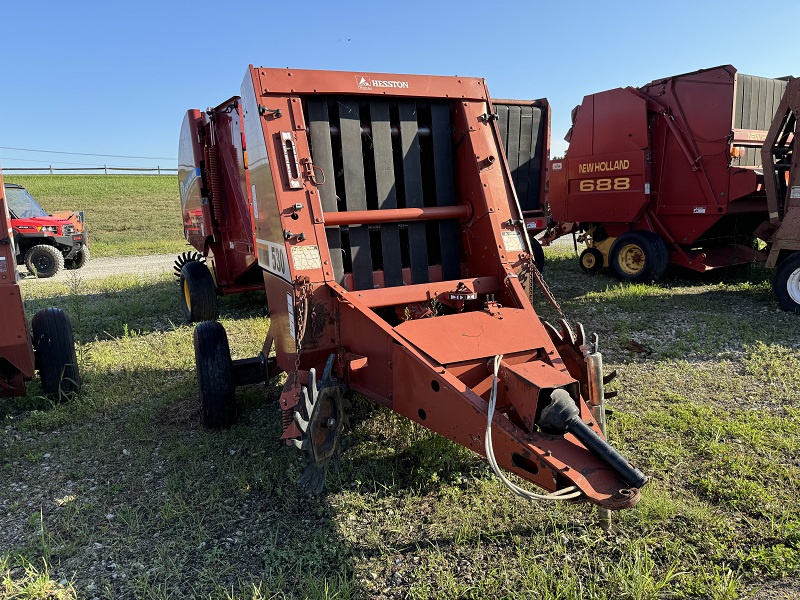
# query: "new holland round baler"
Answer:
x=667 y=173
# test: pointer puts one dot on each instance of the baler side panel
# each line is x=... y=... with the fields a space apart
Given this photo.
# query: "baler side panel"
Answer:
x=606 y=175
x=270 y=250
x=232 y=250
x=190 y=180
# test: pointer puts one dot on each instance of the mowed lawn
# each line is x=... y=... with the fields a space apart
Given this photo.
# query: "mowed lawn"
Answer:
x=126 y=215
x=122 y=494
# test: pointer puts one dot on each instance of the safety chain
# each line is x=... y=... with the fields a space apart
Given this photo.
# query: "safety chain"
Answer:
x=301 y=310
x=537 y=274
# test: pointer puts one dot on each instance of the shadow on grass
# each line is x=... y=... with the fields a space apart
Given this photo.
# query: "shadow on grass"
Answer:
x=141 y=308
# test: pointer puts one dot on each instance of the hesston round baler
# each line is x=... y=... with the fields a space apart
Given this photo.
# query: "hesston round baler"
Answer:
x=667 y=173
x=392 y=246
x=51 y=347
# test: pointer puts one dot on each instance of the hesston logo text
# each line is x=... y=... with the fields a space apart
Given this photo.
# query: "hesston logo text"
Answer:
x=367 y=84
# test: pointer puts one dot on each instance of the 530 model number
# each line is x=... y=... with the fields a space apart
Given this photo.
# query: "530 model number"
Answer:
x=606 y=184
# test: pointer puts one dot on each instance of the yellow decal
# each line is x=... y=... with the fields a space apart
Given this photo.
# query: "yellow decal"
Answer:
x=604 y=165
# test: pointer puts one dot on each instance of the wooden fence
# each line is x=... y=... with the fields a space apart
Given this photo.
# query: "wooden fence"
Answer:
x=105 y=168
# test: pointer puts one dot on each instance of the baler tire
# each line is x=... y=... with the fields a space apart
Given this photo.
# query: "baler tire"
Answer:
x=54 y=346
x=44 y=261
x=654 y=256
x=591 y=261
x=198 y=294
x=538 y=253
x=212 y=356
x=786 y=284
x=80 y=260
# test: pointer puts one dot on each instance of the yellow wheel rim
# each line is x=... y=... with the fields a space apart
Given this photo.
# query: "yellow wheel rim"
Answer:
x=589 y=261
x=186 y=295
x=631 y=259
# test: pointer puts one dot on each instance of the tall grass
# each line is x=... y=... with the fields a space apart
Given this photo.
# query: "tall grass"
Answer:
x=126 y=215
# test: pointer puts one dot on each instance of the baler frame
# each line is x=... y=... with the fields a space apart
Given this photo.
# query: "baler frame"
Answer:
x=420 y=332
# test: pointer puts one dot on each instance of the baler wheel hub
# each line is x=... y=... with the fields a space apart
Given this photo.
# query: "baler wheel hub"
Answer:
x=631 y=259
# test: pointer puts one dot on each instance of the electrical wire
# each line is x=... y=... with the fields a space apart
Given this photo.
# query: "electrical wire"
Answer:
x=87 y=153
x=567 y=493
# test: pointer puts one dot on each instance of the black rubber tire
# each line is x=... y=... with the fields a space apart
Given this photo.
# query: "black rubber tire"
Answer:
x=44 y=261
x=591 y=261
x=80 y=260
x=212 y=357
x=54 y=346
x=198 y=294
x=538 y=253
x=652 y=253
x=786 y=283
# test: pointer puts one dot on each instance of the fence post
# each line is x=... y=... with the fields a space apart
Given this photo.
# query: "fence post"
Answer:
x=105 y=167
x=51 y=169
x=159 y=169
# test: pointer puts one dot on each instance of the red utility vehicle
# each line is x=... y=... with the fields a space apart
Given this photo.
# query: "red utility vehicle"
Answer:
x=51 y=350
x=45 y=243
x=667 y=173
x=391 y=244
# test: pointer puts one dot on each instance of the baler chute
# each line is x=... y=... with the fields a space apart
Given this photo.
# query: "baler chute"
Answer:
x=391 y=242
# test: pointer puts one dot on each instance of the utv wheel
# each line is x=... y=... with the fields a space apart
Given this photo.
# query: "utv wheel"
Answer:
x=198 y=294
x=639 y=256
x=44 y=261
x=591 y=261
x=538 y=253
x=212 y=357
x=54 y=346
x=786 y=284
x=80 y=260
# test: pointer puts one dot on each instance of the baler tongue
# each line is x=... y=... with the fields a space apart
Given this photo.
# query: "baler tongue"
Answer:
x=542 y=429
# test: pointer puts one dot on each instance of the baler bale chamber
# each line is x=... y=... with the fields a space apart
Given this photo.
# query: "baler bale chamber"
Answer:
x=391 y=244
x=667 y=173
x=217 y=211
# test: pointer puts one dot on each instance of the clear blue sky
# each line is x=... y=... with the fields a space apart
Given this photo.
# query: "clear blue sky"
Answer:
x=116 y=78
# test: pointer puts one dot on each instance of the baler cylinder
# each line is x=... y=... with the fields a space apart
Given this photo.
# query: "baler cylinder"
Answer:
x=562 y=415
x=462 y=212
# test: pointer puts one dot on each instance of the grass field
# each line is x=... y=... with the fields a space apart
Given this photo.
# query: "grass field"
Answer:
x=121 y=493
x=126 y=215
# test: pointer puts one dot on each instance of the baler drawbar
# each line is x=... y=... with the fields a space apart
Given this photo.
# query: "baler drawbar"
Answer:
x=392 y=244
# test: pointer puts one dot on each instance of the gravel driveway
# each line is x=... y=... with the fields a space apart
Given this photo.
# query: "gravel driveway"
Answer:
x=98 y=268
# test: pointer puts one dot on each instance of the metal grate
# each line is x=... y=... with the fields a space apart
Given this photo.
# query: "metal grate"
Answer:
x=522 y=133
x=755 y=103
x=385 y=154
